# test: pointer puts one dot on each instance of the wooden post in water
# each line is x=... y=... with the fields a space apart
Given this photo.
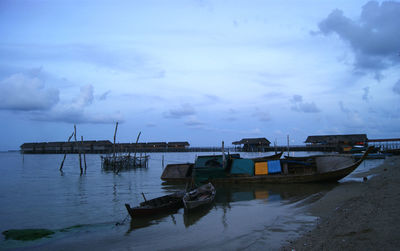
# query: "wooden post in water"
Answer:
x=163 y=161
x=65 y=154
x=115 y=135
x=134 y=155
x=79 y=151
x=223 y=155
x=288 y=151
x=84 y=155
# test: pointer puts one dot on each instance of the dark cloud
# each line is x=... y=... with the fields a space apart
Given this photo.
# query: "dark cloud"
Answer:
x=299 y=106
x=26 y=93
x=180 y=112
x=29 y=96
x=396 y=87
x=374 y=37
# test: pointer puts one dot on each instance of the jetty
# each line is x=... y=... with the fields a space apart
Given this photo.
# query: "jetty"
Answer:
x=318 y=143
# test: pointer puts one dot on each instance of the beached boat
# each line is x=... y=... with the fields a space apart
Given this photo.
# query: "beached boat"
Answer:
x=159 y=205
x=200 y=196
x=318 y=168
x=207 y=164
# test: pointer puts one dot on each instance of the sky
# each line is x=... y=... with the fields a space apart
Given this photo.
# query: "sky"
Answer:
x=197 y=70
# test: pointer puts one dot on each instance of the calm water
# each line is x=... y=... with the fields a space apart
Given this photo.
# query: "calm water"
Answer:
x=34 y=194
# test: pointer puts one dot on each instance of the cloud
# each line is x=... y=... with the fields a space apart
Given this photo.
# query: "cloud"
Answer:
x=85 y=97
x=75 y=111
x=123 y=59
x=192 y=121
x=374 y=37
x=365 y=96
x=75 y=116
x=354 y=118
x=396 y=87
x=300 y=106
x=180 y=112
x=262 y=115
x=21 y=92
x=212 y=98
x=105 y=95
x=343 y=108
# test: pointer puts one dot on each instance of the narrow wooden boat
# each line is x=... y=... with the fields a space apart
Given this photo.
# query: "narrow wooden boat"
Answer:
x=270 y=157
x=163 y=204
x=319 y=168
x=200 y=196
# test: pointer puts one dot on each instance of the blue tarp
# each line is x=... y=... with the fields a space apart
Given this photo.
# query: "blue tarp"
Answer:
x=242 y=166
x=274 y=166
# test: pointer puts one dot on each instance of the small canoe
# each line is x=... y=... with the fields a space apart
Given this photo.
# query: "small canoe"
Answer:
x=200 y=196
x=163 y=204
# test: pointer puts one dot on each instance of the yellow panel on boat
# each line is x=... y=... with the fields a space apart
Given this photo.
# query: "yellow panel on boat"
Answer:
x=347 y=149
x=261 y=168
x=261 y=194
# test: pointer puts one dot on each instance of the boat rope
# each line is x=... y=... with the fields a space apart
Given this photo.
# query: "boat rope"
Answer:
x=123 y=221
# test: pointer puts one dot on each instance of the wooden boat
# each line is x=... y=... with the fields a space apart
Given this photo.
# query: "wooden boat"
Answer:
x=200 y=196
x=163 y=204
x=270 y=157
x=177 y=172
x=319 y=168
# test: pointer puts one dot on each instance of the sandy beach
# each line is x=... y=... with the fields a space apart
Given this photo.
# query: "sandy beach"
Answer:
x=358 y=215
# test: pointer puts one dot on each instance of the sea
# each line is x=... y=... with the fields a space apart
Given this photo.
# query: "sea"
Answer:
x=88 y=211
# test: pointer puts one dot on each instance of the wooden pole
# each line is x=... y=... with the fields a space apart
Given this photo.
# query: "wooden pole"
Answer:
x=65 y=154
x=84 y=155
x=137 y=140
x=223 y=155
x=288 y=151
x=144 y=197
x=115 y=135
x=79 y=151
x=163 y=161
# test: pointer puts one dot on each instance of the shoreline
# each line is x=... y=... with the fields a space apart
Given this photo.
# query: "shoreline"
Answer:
x=357 y=215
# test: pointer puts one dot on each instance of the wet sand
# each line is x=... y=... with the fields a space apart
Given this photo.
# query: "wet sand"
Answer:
x=358 y=215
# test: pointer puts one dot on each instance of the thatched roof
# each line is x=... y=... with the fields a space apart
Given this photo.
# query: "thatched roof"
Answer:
x=252 y=141
x=177 y=143
x=335 y=139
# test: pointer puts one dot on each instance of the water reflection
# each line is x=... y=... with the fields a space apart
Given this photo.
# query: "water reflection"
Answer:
x=284 y=193
x=228 y=196
x=193 y=216
x=148 y=220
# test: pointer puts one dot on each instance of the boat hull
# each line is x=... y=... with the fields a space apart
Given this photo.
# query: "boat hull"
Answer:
x=167 y=203
x=199 y=197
